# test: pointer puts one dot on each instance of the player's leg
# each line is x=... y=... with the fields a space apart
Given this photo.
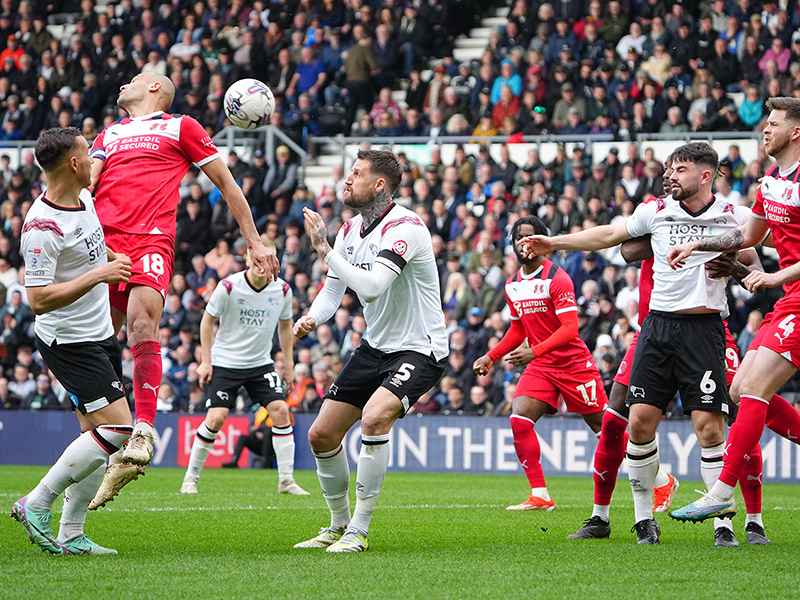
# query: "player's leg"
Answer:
x=101 y=436
x=283 y=445
x=525 y=412
x=380 y=413
x=405 y=377
x=325 y=437
x=643 y=465
x=768 y=372
x=709 y=427
x=750 y=483
x=202 y=445
x=145 y=305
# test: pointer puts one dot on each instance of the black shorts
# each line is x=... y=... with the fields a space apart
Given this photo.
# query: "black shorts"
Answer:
x=683 y=353
x=91 y=372
x=407 y=375
x=263 y=385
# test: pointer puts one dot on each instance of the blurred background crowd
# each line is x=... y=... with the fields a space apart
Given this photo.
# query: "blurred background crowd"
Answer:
x=363 y=67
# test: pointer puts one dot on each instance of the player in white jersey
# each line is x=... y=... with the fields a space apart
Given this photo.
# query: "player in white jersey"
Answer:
x=67 y=272
x=384 y=255
x=681 y=346
x=250 y=308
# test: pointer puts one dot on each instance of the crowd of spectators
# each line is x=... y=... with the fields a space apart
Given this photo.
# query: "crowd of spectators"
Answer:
x=621 y=68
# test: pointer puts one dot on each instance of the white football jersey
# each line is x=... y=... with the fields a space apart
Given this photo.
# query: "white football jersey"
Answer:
x=60 y=244
x=248 y=317
x=408 y=315
x=671 y=224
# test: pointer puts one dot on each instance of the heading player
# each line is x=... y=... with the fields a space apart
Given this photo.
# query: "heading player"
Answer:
x=385 y=255
x=682 y=342
x=774 y=355
x=250 y=308
x=541 y=298
x=138 y=164
x=67 y=267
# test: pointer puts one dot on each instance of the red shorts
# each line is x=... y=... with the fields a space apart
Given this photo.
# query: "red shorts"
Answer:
x=623 y=375
x=153 y=258
x=581 y=389
x=780 y=330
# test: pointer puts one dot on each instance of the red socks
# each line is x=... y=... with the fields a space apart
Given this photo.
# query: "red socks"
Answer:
x=743 y=437
x=526 y=443
x=750 y=479
x=783 y=419
x=608 y=456
x=146 y=379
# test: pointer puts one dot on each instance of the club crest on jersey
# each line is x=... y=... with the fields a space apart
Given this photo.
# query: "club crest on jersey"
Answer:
x=78 y=231
x=787 y=193
x=157 y=126
x=720 y=220
x=399 y=247
x=118 y=385
x=374 y=249
x=636 y=392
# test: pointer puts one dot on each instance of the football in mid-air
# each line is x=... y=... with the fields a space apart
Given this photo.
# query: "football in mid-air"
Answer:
x=249 y=104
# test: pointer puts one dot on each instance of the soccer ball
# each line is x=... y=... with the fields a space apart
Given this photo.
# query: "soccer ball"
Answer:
x=249 y=104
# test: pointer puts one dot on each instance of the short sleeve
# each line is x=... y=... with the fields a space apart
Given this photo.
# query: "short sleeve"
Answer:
x=99 y=146
x=401 y=240
x=640 y=222
x=511 y=308
x=562 y=293
x=286 y=311
x=195 y=142
x=758 y=206
x=41 y=244
x=219 y=298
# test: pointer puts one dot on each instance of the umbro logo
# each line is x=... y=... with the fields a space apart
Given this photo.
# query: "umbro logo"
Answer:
x=359 y=486
x=721 y=220
x=669 y=219
x=241 y=301
x=706 y=399
x=350 y=249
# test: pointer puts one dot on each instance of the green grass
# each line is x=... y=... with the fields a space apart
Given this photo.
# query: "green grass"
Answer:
x=433 y=536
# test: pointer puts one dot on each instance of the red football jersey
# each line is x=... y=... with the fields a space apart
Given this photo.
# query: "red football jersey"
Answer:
x=778 y=202
x=645 y=288
x=537 y=300
x=145 y=161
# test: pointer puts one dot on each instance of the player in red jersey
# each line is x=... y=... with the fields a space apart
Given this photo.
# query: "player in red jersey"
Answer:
x=541 y=298
x=138 y=163
x=774 y=355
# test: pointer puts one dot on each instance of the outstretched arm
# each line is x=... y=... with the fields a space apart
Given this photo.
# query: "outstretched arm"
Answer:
x=220 y=176
x=595 y=238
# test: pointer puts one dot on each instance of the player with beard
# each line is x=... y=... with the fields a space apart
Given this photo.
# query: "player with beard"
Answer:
x=774 y=355
x=613 y=438
x=682 y=342
x=541 y=298
x=385 y=255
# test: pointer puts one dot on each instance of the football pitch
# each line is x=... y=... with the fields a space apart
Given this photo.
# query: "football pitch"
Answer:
x=433 y=536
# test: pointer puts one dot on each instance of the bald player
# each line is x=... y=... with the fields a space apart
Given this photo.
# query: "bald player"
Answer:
x=138 y=163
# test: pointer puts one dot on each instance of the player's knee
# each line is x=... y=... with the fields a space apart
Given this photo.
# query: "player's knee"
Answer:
x=375 y=423
x=710 y=429
x=215 y=422
x=641 y=429
x=279 y=412
x=319 y=439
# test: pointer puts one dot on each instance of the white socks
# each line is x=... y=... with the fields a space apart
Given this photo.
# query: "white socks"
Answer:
x=283 y=445
x=76 y=504
x=82 y=457
x=372 y=463
x=642 y=469
x=333 y=472
x=710 y=468
x=601 y=511
x=201 y=448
